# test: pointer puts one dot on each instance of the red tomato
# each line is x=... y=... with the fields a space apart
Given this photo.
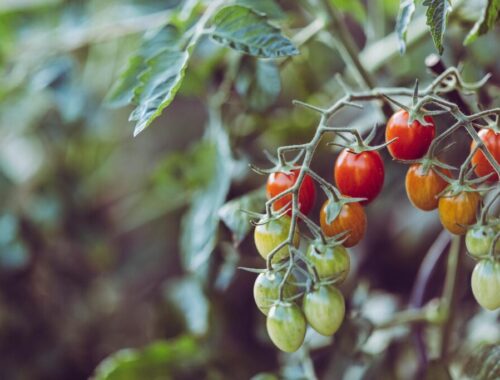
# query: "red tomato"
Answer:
x=413 y=139
x=359 y=175
x=279 y=182
x=352 y=218
x=423 y=189
x=483 y=166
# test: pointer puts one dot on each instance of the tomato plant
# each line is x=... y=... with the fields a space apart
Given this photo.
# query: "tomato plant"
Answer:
x=286 y=326
x=324 y=309
x=279 y=182
x=266 y=289
x=485 y=283
x=423 y=188
x=411 y=140
x=491 y=141
x=479 y=239
x=359 y=175
x=351 y=219
x=270 y=234
x=458 y=211
x=330 y=262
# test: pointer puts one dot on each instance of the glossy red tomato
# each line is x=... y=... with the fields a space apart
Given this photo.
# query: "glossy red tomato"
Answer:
x=279 y=182
x=413 y=139
x=359 y=175
x=483 y=166
x=352 y=218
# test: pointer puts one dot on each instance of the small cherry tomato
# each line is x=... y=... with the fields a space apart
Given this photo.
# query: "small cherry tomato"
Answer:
x=478 y=241
x=266 y=289
x=423 y=189
x=271 y=234
x=413 y=140
x=458 y=211
x=286 y=326
x=351 y=218
x=485 y=283
x=324 y=309
x=359 y=175
x=483 y=166
x=279 y=182
x=330 y=262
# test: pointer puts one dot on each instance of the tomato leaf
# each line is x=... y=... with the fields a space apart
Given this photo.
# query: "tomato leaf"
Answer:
x=483 y=363
x=437 y=14
x=249 y=32
x=269 y=7
x=490 y=15
x=200 y=224
x=158 y=360
x=237 y=220
x=405 y=13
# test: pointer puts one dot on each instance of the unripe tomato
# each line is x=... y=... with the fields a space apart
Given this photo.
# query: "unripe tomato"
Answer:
x=351 y=218
x=269 y=235
x=413 y=140
x=458 y=211
x=423 y=189
x=279 y=182
x=266 y=289
x=324 y=309
x=485 y=283
x=483 y=166
x=478 y=241
x=330 y=262
x=359 y=175
x=286 y=326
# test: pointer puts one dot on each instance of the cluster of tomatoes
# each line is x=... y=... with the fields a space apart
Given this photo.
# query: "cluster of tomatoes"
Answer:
x=359 y=177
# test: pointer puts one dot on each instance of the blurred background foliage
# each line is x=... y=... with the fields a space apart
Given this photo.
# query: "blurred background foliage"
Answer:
x=112 y=247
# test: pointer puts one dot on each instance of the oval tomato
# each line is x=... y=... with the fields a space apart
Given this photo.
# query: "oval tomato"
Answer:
x=279 y=182
x=458 y=211
x=359 y=175
x=330 y=262
x=286 y=326
x=423 y=189
x=351 y=218
x=413 y=140
x=269 y=235
x=266 y=289
x=478 y=241
x=485 y=283
x=324 y=309
x=483 y=167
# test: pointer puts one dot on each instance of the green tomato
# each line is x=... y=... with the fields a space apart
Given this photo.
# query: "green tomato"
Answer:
x=324 y=309
x=330 y=262
x=485 y=283
x=479 y=239
x=269 y=235
x=286 y=326
x=266 y=289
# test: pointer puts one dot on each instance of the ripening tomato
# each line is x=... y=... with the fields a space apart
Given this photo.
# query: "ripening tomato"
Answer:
x=279 y=182
x=324 y=309
x=478 y=241
x=483 y=166
x=266 y=289
x=359 y=175
x=351 y=218
x=271 y=234
x=413 y=140
x=331 y=262
x=458 y=211
x=423 y=189
x=286 y=326
x=485 y=283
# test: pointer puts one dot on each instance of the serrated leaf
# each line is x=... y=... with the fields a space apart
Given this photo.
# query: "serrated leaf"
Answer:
x=259 y=83
x=250 y=32
x=160 y=359
x=353 y=7
x=483 y=363
x=489 y=16
x=437 y=14
x=405 y=13
x=237 y=220
x=200 y=224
